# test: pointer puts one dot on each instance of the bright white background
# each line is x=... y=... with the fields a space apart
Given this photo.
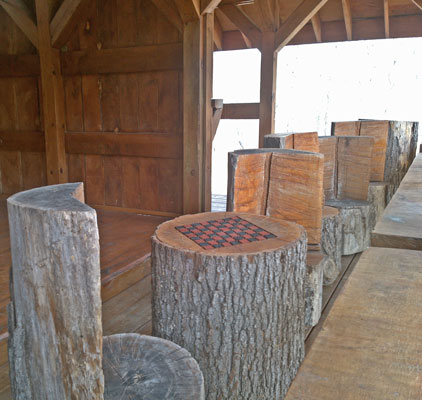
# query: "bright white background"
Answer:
x=318 y=84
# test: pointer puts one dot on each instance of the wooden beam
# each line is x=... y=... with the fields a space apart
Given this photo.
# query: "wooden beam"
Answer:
x=316 y=25
x=248 y=43
x=28 y=141
x=243 y=23
x=217 y=111
x=296 y=21
x=270 y=14
x=20 y=14
x=208 y=6
x=65 y=21
x=237 y=2
x=218 y=34
x=189 y=10
x=19 y=65
x=192 y=118
x=169 y=10
x=386 y=19
x=124 y=60
x=347 y=18
x=52 y=98
x=417 y=3
x=268 y=82
x=241 y=111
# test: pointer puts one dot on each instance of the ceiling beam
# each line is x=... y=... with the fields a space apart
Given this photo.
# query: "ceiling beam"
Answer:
x=386 y=19
x=271 y=13
x=169 y=11
x=316 y=25
x=238 y=2
x=296 y=21
x=243 y=23
x=417 y=3
x=208 y=6
x=189 y=10
x=218 y=34
x=347 y=18
x=65 y=21
x=23 y=18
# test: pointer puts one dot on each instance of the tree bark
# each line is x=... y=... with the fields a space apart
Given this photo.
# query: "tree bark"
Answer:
x=240 y=314
x=355 y=224
x=55 y=332
x=377 y=196
x=146 y=367
x=315 y=261
x=331 y=244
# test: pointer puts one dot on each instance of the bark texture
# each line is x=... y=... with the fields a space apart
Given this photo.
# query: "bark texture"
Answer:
x=240 y=316
x=331 y=244
x=377 y=196
x=147 y=367
x=355 y=224
x=55 y=331
x=313 y=288
x=401 y=150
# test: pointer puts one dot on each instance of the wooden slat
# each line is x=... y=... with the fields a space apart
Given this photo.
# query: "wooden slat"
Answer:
x=316 y=25
x=169 y=10
x=240 y=111
x=22 y=141
x=373 y=326
x=137 y=145
x=347 y=18
x=123 y=60
x=53 y=99
x=386 y=19
x=19 y=65
x=400 y=223
x=243 y=23
x=296 y=21
x=23 y=18
x=268 y=86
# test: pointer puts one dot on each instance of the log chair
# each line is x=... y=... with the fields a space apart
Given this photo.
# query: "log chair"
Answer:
x=55 y=331
x=284 y=184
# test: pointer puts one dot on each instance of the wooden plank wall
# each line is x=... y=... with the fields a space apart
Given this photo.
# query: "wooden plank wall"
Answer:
x=22 y=156
x=124 y=127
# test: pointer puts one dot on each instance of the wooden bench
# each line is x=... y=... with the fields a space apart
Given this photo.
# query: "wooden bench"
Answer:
x=369 y=346
x=401 y=223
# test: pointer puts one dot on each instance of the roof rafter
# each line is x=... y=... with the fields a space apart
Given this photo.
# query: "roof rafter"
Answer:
x=169 y=10
x=417 y=3
x=271 y=13
x=386 y=19
x=296 y=21
x=347 y=18
x=208 y=6
x=245 y=25
x=316 y=25
x=66 y=19
x=23 y=18
x=189 y=10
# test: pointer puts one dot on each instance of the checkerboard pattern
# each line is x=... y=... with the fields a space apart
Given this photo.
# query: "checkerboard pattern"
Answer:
x=224 y=232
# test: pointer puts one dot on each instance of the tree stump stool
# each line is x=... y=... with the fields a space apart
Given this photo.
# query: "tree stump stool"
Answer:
x=315 y=262
x=331 y=244
x=355 y=224
x=145 y=367
x=229 y=288
x=377 y=196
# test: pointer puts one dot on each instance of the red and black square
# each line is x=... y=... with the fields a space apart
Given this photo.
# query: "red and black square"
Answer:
x=224 y=232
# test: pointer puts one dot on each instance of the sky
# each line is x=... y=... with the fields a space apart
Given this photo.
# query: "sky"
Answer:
x=316 y=85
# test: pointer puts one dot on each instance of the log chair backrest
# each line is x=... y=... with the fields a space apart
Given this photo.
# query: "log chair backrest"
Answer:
x=306 y=141
x=285 y=184
x=347 y=166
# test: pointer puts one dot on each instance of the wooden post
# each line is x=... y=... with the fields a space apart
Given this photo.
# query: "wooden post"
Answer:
x=55 y=331
x=238 y=309
x=268 y=86
x=147 y=367
x=53 y=98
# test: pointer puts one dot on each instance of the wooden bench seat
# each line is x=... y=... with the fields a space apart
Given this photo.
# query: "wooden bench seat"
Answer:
x=369 y=346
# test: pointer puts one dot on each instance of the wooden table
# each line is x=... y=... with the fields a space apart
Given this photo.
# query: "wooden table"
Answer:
x=234 y=300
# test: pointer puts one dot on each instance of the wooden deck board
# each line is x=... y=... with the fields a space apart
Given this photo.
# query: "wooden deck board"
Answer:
x=401 y=222
x=369 y=346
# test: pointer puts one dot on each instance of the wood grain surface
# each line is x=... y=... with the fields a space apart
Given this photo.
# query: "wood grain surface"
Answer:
x=369 y=346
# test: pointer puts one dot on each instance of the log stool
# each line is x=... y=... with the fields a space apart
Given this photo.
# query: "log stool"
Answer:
x=146 y=367
x=306 y=141
x=377 y=196
x=229 y=287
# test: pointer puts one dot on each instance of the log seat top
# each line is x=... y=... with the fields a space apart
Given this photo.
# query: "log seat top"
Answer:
x=400 y=224
x=228 y=233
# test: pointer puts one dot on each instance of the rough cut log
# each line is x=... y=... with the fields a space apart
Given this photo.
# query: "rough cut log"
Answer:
x=377 y=196
x=239 y=310
x=328 y=147
x=315 y=261
x=306 y=141
x=355 y=224
x=331 y=244
x=146 y=367
x=55 y=332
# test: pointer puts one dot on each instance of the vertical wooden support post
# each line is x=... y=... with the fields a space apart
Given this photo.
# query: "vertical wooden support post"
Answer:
x=268 y=86
x=55 y=331
x=53 y=98
x=208 y=40
x=192 y=117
